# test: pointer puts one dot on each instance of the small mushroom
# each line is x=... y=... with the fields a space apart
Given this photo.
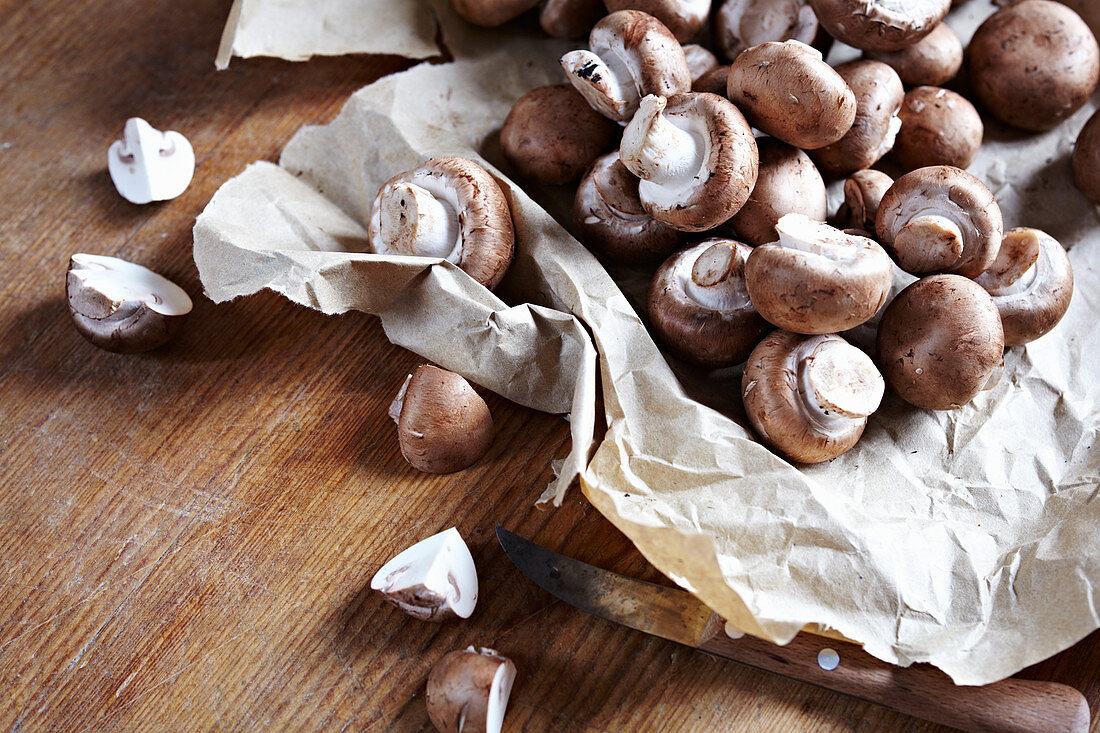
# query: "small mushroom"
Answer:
x=940 y=341
x=788 y=183
x=150 y=165
x=940 y=219
x=817 y=279
x=932 y=61
x=699 y=308
x=632 y=54
x=880 y=25
x=570 y=18
x=938 y=127
x=741 y=24
x=1086 y=159
x=443 y=425
x=683 y=17
x=1033 y=64
x=789 y=92
x=809 y=397
x=699 y=60
x=450 y=208
x=863 y=192
x=612 y=221
x=713 y=81
x=123 y=307
x=879 y=93
x=468 y=691
x=434 y=580
x=1031 y=282
x=552 y=135
x=696 y=156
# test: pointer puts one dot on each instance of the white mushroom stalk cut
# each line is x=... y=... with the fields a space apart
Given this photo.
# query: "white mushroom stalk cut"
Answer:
x=740 y=24
x=468 y=691
x=416 y=221
x=123 y=307
x=434 y=580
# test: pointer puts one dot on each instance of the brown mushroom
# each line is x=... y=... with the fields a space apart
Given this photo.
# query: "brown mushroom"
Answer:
x=123 y=307
x=570 y=18
x=1086 y=159
x=713 y=81
x=817 y=279
x=699 y=308
x=700 y=61
x=879 y=93
x=450 y=208
x=940 y=341
x=789 y=92
x=788 y=183
x=741 y=24
x=489 y=13
x=809 y=397
x=552 y=134
x=940 y=219
x=932 y=61
x=880 y=25
x=696 y=156
x=1031 y=282
x=683 y=17
x=443 y=425
x=863 y=192
x=468 y=691
x=938 y=127
x=1033 y=64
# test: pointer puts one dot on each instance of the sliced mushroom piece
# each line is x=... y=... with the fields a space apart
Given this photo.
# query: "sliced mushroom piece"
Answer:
x=940 y=219
x=443 y=425
x=632 y=54
x=788 y=183
x=683 y=17
x=809 y=397
x=817 y=279
x=1086 y=159
x=570 y=18
x=699 y=308
x=468 y=691
x=1031 y=282
x=123 y=307
x=879 y=93
x=938 y=127
x=450 y=208
x=434 y=580
x=612 y=221
x=932 y=61
x=741 y=24
x=696 y=156
x=940 y=341
x=880 y=25
x=700 y=61
x=788 y=91
x=149 y=165
x=863 y=192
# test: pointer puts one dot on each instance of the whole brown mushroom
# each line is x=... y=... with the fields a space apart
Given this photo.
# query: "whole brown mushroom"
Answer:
x=741 y=24
x=1086 y=159
x=880 y=25
x=570 y=18
x=878 y=93
x=932 y=61
x=788 y=183
x=938 y=127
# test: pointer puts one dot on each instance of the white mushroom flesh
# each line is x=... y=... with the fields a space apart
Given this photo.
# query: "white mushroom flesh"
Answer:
x=415 y=220
x=836 y=382
x=150 y=165
x=666 y=153
x=748 y=23
x=722 y=288
x=891 y=138
x=499 y=693
x=119 y=282
x=399 y=401
x=433 y=580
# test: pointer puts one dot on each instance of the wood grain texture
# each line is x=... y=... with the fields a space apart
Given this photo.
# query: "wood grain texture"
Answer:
x=188 y=536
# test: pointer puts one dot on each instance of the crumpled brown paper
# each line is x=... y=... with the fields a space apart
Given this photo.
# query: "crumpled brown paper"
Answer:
x=967 y=539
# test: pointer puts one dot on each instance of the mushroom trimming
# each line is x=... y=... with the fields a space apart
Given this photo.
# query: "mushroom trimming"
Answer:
x=434 y=580
x=880 y=25
x=150 y=165
x=450 y=208
x=123 y=307
x=741 y=24
x=788 y=183
x=443 y=425
x=468 y=691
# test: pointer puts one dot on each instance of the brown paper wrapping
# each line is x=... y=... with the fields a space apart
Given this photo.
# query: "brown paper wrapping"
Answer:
x=968 y=539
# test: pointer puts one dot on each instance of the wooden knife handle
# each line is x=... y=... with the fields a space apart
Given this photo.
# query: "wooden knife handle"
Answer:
x=1008 y=706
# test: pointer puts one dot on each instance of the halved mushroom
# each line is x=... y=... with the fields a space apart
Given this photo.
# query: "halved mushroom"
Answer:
x=879 y=93
x=880 y=25
x=932 y=61
x=938 y=127
x=434 y=580
x=632 y=54
x=940 y=341
x=450 y=208
x=788 y=91
x=817 y=279
x=683 y=17
x=940 y=219
x=741 y=24
x=123 y=307
x=809 y=397
x=788 y=183
x=468 y=691
x=611 y=218
x=699 y=308
x=1086 y=159
x=696 y=156
x=863 y=192
x=570 y=18
x=443 y=425
x=1031 y=282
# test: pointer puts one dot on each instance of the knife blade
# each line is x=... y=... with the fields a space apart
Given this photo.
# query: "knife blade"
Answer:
x=1009 y=706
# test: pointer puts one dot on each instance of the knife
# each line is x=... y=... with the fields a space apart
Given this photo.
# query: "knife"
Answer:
x=1009 y=706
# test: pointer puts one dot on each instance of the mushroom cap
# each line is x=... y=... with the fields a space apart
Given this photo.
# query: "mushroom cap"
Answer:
x=954 y=195
x=489 y=13
x=684 y=18
x=880 y=25
x=486 y=237
x=1033 y=64
x=468 y=691
x=443 y=425
x=123 y=307
x=1086 y=159
x=719 y=333
x=789 y=92
x=552 y=134
x=787 y=183
x=700 y=61
x=713 y=81
x=863 y=192
x=741 y=24
x=932 y=61
x=808 y=397
x=433 y=580
x=938 y=127
x=817 y=279
x=570 y=18
x=1031 y=282
x=612 y=221
x=939 y=341
x=879 y=92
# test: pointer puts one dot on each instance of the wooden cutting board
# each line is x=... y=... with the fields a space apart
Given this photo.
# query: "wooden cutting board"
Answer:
x=187 y=537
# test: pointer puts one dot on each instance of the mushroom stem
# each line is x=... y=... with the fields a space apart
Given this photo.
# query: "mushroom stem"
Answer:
x=415 y=222
x=656 y=150
x=837 y=380
x=928 y=243
x=716 y=279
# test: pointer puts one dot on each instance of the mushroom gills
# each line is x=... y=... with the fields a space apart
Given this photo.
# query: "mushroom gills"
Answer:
x=714 y=278
x=836 y=382
x=415 y=220
x=666 y=157
x=433 y=580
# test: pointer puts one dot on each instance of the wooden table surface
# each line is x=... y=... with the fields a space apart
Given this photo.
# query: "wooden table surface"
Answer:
x=188 y=536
